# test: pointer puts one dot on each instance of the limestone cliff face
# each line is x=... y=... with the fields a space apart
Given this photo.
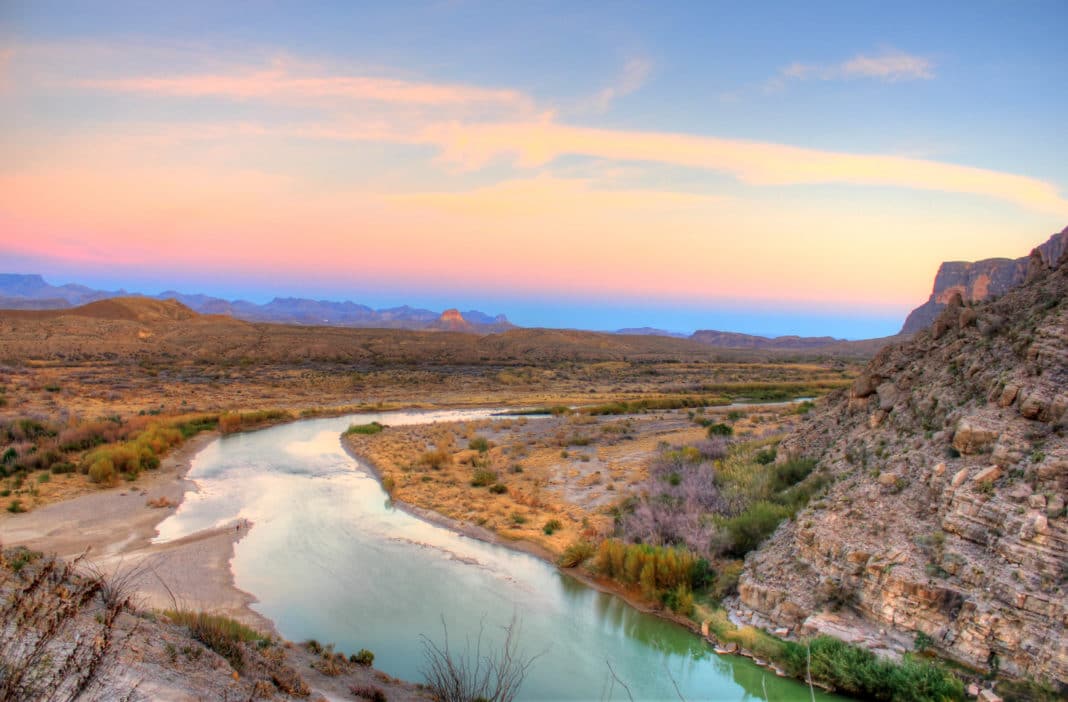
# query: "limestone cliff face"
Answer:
x=947 y=514
x=978 y=281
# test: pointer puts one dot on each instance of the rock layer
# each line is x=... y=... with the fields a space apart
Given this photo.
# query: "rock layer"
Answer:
x=946 y=517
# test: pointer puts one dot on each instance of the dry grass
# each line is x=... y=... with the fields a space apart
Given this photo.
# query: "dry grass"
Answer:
x=526 y=456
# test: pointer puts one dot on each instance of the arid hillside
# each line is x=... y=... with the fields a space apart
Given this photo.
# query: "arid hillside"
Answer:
x=141 y=327
x=945 y=526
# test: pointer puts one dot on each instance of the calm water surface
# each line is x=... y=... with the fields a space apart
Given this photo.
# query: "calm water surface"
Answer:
x=329 y=558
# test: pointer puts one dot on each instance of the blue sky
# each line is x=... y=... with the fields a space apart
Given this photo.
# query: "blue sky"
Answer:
x=507 y=156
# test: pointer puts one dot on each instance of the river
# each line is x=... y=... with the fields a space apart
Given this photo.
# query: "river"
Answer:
x=328 y=557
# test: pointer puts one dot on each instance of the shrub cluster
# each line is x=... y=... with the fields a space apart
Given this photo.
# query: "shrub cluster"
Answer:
x=666 y=574
x=221 y=634
x=368 y=429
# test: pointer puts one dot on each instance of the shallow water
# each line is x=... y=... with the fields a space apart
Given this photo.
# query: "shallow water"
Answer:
x=329 y=558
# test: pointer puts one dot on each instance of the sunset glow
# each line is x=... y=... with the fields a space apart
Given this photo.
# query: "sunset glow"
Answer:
x=323 y=158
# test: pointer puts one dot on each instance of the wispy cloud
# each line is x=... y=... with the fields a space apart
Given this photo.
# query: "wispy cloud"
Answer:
x=635 y=73
x=279 y=83
x=531 y=145
x=890 y=65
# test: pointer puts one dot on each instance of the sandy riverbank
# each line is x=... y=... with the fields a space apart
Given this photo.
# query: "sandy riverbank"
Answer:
x=115 y=527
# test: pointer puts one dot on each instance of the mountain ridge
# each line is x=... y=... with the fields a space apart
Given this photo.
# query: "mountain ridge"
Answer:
x=947 y=464
x=33 y=292
x=976 y=281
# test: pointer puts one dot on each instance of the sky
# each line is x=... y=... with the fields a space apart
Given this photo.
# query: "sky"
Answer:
x=770 y=168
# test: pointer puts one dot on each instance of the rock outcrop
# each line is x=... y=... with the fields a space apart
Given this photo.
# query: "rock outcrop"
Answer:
x=979 y=281
x=452 y=320
x=949 y=456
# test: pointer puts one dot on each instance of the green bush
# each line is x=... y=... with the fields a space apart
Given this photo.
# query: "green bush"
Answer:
x=552 y=526
x=720 y=430
x=372 y=428
x=16 y=507
x=363 y=657
x=479 y=443
x=63 y=467
x=483 y=477
x=857 y=671
x=102 y=471
x=751 y=527
x=221 y=634
x=792 y=472
x=576 y=554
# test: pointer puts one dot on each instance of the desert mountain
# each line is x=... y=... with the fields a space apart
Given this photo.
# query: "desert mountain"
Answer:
x=650 y=331
x=816 y=344
x=452 y=320
x=143 y=328
x=981 y=280
x=946 y=517
x=32 y=292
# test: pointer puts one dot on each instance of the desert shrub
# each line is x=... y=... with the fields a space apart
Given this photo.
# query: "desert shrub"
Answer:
x=720 y=430
x=63 y=467
x=363 y=657
x=655 y=569
x=483 y=477
x=221 y=634
x=751 y=527
x=498 y=488
x=791 y=472
x=436 y=459
x=102 y=471
x=368 y=429
x=479 y=443
x=857 y=671
x=652 y=404
x=576 y=554
x=725 y=583
x=765 y=456
x=552 y=526
x=229 y=422
x=16 y=507
x=368 y=692
x=679 y=493
x=518 y=518
x=679 y=600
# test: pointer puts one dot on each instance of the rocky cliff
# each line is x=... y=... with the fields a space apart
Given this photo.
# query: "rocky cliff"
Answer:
x=978 y=281
x=946 y=516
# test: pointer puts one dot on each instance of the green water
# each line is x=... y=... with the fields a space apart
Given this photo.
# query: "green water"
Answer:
x=328 y=558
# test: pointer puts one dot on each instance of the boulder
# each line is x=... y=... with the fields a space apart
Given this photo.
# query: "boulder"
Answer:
x=974 y=436
x=959 y=478
x=1055 y=507
x=987 y=475
x=1008 y=395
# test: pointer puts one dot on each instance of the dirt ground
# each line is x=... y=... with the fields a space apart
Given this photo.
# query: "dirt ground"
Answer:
x=573 y=469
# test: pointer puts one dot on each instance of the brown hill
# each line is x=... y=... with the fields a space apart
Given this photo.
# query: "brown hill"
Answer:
x=947 y=514
x=144 y=328
x=981 y=280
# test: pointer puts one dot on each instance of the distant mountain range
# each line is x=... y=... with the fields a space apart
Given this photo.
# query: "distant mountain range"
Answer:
x=32 y=292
